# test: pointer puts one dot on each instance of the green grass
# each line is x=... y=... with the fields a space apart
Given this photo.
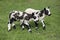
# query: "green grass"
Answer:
x=52 y=31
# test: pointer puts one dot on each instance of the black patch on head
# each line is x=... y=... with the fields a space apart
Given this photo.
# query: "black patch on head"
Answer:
x=43 y=11
x=46 y=12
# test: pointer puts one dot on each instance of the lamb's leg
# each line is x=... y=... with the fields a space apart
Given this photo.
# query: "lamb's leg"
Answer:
x=9 y=26
x=26 y=23
x=22 y=24
x=36 y=24
x=13 y=25
x=43 y=23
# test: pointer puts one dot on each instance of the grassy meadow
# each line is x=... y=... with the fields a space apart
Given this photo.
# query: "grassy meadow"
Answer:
x=52 y=31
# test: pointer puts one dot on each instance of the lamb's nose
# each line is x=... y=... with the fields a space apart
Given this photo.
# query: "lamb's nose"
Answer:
x=49 y=15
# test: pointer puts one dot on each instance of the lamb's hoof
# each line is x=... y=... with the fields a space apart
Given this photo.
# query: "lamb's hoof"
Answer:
x=14 y=27
x=22 y=28
x=9 y=30
x=30 y=30
x=36 y=28
x=44 y=28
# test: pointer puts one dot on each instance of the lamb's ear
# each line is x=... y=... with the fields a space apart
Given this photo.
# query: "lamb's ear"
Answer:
x=44 y=8
x=32 y=14
x=48 y=6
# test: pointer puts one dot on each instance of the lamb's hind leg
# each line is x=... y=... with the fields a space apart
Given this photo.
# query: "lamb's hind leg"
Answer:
x=9 y=26
x=22 y=24
x=10 y=23
x=13 y=25
x=36 y=24
x=26 y=23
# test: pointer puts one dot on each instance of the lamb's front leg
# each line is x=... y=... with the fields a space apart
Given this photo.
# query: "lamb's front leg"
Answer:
x=43 y=23
x=22 y=24
x=9 y=26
